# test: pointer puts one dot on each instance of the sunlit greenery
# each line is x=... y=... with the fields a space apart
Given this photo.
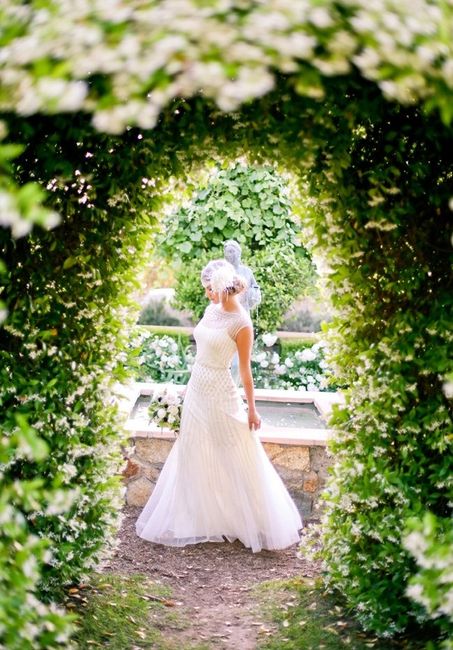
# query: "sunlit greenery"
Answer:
x=251 y=206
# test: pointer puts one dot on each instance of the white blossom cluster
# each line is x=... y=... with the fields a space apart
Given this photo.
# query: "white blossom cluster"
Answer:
x=162 y=358
x=304 y=370
x=432 y=549
x=153 y=51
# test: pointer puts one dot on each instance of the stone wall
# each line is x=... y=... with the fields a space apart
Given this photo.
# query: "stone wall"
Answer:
x=303 y=469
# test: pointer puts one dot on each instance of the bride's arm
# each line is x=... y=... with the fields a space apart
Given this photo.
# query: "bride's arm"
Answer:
x=244 y=342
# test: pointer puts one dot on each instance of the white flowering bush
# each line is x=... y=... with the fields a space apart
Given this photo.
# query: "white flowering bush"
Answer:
x=116 y=107
x=163 y=358
x=62 y=351
x=161 y=52
x=303 y=369
x=430 y=542
x=165 y=407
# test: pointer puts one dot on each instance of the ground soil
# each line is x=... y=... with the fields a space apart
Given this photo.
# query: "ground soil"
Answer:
x=212 y=584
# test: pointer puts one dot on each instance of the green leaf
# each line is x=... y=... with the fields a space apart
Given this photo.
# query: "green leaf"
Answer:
x=69 y=262
x=29 y=441
x=185 y=247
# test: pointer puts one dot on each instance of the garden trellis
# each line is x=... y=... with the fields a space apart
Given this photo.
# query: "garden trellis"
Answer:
x=103 y=104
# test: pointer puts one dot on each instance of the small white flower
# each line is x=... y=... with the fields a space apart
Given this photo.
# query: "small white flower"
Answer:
x=289 y=363
x=448 y=389
x=269 y=339
x=415 y=592
x=307 y=355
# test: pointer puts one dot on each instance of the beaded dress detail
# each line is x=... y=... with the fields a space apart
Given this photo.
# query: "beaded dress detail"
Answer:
x=217 y=481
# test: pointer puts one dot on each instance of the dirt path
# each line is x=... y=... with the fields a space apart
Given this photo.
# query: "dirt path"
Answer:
x=212 y=584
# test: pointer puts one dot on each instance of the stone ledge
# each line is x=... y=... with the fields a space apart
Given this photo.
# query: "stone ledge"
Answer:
x=302 y=467
x=305 y=438
x=300 y=456
x=323 y=401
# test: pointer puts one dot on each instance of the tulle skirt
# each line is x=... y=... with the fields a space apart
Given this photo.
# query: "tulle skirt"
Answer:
x=217 y=481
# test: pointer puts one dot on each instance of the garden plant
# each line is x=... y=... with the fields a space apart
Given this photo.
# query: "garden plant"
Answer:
x=301 y=367
x=250 y=205
x=103 y=105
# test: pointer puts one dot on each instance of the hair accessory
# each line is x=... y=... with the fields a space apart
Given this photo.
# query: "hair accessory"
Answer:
x=222 y=279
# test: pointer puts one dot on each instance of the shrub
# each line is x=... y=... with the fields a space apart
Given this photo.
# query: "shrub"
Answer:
x=284 y=274
x=166 y=359
x=279 y=288
x=287 y=346
x=301 y=368
x=430 y=542
x=250 y=205
x=189 y=293
x=176 y=333
x=162 y=358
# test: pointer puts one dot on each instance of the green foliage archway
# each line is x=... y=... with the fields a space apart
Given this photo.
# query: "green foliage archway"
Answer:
x=377 y=174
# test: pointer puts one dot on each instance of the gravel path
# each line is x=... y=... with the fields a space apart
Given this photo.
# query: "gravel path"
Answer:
x=212 y=584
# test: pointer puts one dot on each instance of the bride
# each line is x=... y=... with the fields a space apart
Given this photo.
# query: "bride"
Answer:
x=217 y=481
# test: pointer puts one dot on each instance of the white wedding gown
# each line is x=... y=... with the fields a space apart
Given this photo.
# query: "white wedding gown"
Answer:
x=217 y=480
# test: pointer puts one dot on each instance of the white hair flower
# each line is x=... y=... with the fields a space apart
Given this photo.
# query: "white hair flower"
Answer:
x=222 y=279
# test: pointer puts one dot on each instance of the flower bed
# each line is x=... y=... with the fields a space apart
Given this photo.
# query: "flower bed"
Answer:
x=302 y=367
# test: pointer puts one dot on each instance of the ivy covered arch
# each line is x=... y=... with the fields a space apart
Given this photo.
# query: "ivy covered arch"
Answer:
x=376 y=180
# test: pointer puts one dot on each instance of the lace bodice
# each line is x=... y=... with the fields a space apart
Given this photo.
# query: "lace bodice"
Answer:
x=216 y=333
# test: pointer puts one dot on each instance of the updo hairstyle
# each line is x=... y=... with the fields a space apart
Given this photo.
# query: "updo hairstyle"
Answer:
x=221 y=276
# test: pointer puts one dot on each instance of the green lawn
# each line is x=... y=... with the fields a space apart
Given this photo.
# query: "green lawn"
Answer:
x=126 y=613
x=305 y=617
